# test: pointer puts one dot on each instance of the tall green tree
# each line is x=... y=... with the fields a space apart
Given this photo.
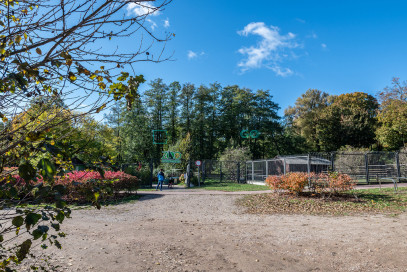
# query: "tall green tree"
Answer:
x=305 y=115
x=349 y=120
x=173 y=108
x=187 y=105
x=157 y=101
x=392 y=116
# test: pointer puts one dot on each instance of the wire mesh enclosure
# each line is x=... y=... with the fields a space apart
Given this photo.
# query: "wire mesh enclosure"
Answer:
x=225 y=171
x=368 y=167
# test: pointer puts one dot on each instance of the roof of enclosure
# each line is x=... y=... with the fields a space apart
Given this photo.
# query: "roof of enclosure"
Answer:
x=304 y=160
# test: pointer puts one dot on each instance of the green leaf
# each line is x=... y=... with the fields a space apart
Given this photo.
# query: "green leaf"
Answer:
x=37 y=234
x=1 y=238
x=60 y=216
x=48 y=170
x=18 y=221
x=24 y=249
x=31 y=219
x=26 y=171
x=55 y=226
x=57 y=244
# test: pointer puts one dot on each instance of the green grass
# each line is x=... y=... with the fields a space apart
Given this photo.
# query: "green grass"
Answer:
x=367 y=201
x=230 y=186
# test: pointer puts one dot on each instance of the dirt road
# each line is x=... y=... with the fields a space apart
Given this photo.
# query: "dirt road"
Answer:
x=178 y=232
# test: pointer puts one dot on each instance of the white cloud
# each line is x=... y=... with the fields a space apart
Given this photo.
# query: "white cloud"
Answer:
x=270 y=51
x=300 y=20
x=193 y=55
x=166 y=23
x=153 y=24
x=323 y=45
x=142 y=9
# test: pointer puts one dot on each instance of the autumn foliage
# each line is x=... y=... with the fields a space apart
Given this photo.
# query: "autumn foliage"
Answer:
x=296 y=182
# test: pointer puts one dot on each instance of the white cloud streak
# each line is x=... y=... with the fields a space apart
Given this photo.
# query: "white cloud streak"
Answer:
x=270 y=52
x=193 y=55
x=142 y=9
x=323 y=45
x=166 y=23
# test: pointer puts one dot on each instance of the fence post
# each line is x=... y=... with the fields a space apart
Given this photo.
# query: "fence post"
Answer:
x=203 y=171
x=284 y=167
x=398 y=166
x=252 y=171
x=309 y=169
x=238 y=172
x=189 y=174
x=267 y=169
x=151 y=173
x=333 y=161
x=220 y=169
x=367 y=167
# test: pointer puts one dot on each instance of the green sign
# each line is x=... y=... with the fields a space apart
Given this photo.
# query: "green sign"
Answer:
x=171 y=157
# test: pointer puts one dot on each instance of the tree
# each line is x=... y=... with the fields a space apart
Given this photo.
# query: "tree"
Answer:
x=52 y=49
x=157 y=101
x=349 y=120
x=187 y=104
x=392 y=116
x=173 y=102
x=305 y=115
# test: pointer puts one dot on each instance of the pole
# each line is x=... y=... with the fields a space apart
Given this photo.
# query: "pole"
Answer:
x=188 y=174
x=203 y=171
x=199 y=175
x=252 y=170
x=332 y=161
x=398 y=166
x=151 y=173
x=309 y=169
x=367 y=168
x=220 y=167
x=238 y=172
x=267 y=168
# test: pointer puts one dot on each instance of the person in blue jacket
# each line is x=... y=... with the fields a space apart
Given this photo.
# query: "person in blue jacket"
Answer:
x=160 y=177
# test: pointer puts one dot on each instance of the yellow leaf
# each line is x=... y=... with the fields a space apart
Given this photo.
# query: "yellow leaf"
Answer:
x=100 y=108
x=52 y=142
x=100 y=78
x=72 y=76
x=102 y=85
x=46 y=71
x=39 y=52
x=18 y=39
x=69 y=62
x=93 y=76
x=25 y=36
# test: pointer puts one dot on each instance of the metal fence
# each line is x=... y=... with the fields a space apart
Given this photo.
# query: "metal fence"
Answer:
x=367 y=167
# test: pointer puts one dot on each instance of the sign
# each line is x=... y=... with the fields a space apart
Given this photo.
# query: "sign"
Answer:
x=198 y=163
x=171 y=157
x=159 y=136
x=253 y=134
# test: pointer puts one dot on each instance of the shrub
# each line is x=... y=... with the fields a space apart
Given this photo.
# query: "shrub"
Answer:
x=295 y=182
x=86 y=185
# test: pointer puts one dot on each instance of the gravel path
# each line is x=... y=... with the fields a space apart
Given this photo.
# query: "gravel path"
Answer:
x=208 y=232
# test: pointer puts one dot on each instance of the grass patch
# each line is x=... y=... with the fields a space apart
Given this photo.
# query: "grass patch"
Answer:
x=230 y=186
x=377 y=201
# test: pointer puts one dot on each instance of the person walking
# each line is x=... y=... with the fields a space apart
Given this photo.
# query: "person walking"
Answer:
x=160 y=177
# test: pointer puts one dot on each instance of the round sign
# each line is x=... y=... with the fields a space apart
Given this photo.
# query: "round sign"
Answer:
x=198 y=163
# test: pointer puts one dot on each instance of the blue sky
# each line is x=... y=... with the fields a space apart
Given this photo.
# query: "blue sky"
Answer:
x=284 y=46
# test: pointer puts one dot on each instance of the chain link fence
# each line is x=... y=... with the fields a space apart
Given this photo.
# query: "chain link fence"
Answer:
x=364 y=167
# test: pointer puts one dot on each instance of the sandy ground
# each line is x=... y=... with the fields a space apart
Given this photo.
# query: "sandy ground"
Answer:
x=208 y=232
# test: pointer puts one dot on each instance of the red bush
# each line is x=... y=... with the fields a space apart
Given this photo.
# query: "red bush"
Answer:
x=295 y=182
